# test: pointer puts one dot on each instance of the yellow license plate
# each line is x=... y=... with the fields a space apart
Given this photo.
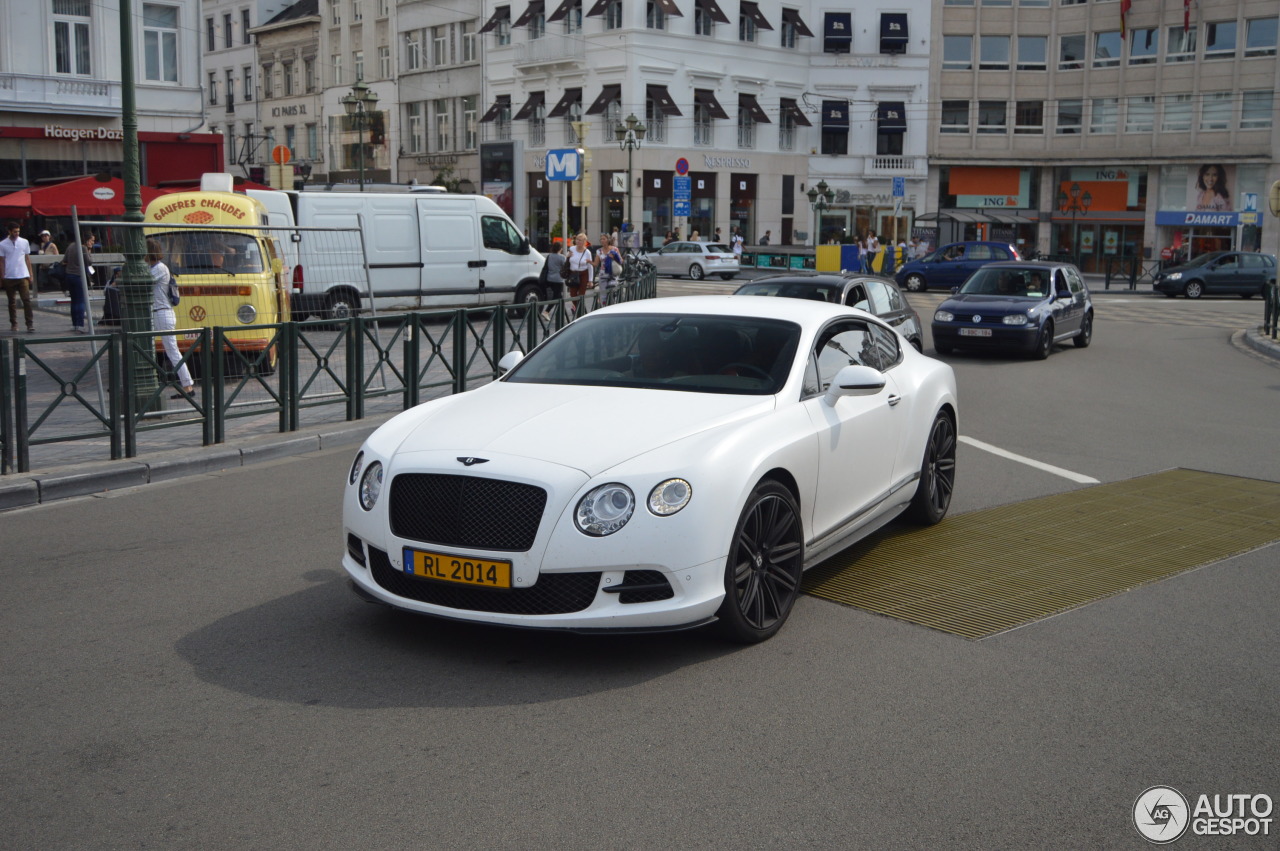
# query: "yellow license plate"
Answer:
x=463 y=570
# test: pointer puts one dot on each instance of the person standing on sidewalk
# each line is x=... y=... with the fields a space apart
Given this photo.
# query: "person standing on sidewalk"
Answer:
x=16 y=253
x=163 y=318
x=76 y=262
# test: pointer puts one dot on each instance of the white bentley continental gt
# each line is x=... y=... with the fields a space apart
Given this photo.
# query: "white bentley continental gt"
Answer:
x=655 y=465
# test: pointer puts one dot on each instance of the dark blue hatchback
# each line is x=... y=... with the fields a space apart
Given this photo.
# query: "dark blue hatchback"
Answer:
x=1026 y=307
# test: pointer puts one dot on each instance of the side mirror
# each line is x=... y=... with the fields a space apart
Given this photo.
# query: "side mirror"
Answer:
x=524 y=245
x=510 y=359
x=955 y=291
x=854 y=380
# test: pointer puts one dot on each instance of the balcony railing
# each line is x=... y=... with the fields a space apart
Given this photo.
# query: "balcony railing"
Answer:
x=899 y=165
x=747 y=135
x=703 y=133
x=551 y=48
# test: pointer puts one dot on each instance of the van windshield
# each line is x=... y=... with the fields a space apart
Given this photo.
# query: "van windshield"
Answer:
x=209 y=252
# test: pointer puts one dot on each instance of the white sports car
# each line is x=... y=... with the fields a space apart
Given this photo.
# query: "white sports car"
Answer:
x=655 y=465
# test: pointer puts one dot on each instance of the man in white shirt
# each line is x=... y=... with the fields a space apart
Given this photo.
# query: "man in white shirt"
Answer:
x=16 y=254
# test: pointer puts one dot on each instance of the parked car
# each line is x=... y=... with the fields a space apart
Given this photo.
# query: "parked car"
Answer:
x=658 y=464
x=876 y=295
x=1020 y=306
x=1244 y=273
x=695 y=259
x=952 y=264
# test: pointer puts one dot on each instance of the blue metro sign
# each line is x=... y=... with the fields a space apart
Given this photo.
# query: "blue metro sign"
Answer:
x=564 y=164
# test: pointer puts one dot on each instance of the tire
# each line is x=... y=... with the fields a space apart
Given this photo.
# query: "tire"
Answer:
x=943 y=348
x=1247 y=295
x=728 y=277
x=528 y=293
x=915 y=283
x=937 y=474
x=1193 y=289
x=1044 y=343
x=696 y=273
x=1085 y=337
x=765 y=563
x=341 y=305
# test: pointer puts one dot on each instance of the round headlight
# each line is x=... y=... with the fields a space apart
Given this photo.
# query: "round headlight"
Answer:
x=1015 y=319
x=371 y=486
x=246 y=314
x=355 y=467
x=669 y=497
x=944 y=316
x=605 y=510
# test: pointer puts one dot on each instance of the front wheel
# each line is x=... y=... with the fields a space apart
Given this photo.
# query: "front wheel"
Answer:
x=766 y=559
x=696 y=273
x=727 y=277
x=937 y=474
x=1085 y=337
x=1194 y=289
x=915 y=283
x=1044 y=345
x=342 y=305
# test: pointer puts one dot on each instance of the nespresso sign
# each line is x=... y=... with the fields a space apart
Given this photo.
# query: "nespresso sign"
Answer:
x=83 y=134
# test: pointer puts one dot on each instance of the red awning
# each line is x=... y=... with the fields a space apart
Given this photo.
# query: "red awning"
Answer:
x=91 y=198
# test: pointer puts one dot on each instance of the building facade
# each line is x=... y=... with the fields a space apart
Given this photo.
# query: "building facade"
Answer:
x=290 y=105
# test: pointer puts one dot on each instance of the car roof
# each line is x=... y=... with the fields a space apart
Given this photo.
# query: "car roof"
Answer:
x=801 y=311
x=818 y=278
x=1028 y=264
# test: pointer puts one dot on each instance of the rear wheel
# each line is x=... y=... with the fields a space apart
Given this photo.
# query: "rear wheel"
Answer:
x=342 y=305
x=696 y=273
x=915 y=283
x=766 y=559
x=727 y=277
x=1194 y=289
x=937 y=474
x=1085 y=337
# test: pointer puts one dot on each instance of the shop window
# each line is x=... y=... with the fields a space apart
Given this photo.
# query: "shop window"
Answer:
x=1260 y=37
x=1032 y=52
x=1029 y=118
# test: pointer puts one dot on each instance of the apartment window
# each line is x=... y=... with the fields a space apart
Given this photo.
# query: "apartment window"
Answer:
x=313 y=141
x=537 y=24
x=1144 y=46
x=788 y=34
x=957 y=2
x=287 y=78
x=357 y=64
x=1072 y=2
x=1140 y=114
x=469 y=132
x=439 y=46
x=384 y=8
x=213 y=88
x=837 y=32
x=1177 y=114
x=412 y=50
x=384 y=62
x=1220 y=40
x=1070 y=117
x=891 y=128
x=746 y=28
x=1215 y=111
x=1033 y=3
x=160 y=43
x=835 y=127
x=210 y=36
x=467 y=38
x=993 y=53
x=654 y=17
x=443 y=125
x=335 y=62
x=1106 y=49
x=703 y=113
x=749 y=115
x=71 y=20
x=955 y=116
x=1071 y=52
x=247 y=74
x=335 y=12
x=267 y=90
x=502 y=32
x=290 y=137
x=613 y=15
x=1256 y=109
x=245 y=26
x=227 y=40
x=1103 y=115
x=993 y=116
x=1260 y=37
x=573 y=18
x=1028 y=118
x=997 y=2
x=309 y=75
x=414 y=119
x=231 y=91
x=1032 y=52
x=1181 y=45
x=957 y=53
x=357 y=11
x=894 y=33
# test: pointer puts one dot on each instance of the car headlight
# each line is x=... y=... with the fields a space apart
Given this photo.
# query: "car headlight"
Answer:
x=669 y=497
x=355 y=467
x=371 y=486
x=1176 y=276
x=1015 y=319
x=246 y=314
x=605 y=509
x=944 y=316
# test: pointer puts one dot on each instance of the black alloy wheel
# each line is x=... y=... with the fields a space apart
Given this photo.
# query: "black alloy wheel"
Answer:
x=1044 y=345
x=937 y=474
x=1085 y=337
x=766 y=560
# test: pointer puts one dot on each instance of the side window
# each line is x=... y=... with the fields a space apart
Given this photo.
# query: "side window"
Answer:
x=978 y=252
x=499 y=234
x=1228 y=262
x=1059 y=282
x=1000 y=254
x=1073 y=278
x=879 y=298
x=857 y=297
x=886 y=343
x=896 y=301
x=842 y=345
x=1251 y=262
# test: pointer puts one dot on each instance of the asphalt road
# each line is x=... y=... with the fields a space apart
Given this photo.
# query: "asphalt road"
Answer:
x=184 y=667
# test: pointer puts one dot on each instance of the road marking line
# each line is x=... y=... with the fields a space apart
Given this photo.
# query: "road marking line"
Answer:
x=1030 y=462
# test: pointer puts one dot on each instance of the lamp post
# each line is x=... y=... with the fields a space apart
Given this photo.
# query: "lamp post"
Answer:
x=820 y=198
x=359 y=103
x=630 y=134
x=1075 y=203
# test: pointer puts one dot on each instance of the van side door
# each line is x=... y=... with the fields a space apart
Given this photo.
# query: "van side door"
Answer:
x=451 y=262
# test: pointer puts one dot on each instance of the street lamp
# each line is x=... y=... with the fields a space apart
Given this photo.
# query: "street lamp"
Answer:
x=1075 y=203
x=630 y=134
x=820 y=198
x=359 y=104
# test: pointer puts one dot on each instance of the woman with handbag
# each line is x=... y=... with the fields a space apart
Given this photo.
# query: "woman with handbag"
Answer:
x=163 y=318
x=580 y=268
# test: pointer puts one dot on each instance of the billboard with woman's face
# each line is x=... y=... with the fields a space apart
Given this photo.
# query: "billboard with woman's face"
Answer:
x=1209 y=188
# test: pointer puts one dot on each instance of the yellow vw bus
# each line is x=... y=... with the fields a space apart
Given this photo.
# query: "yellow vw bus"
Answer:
x=228 y=275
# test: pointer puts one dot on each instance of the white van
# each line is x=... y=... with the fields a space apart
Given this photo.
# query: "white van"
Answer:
x=424 y=250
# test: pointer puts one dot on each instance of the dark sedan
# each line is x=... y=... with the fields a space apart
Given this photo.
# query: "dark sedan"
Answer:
x=1025 y=307
x=878 y=296
x=1243 y=273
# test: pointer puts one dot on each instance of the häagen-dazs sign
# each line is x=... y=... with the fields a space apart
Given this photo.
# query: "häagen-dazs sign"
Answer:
x=83 y=134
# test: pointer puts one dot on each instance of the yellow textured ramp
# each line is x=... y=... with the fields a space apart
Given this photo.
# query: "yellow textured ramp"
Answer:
x=985 y=572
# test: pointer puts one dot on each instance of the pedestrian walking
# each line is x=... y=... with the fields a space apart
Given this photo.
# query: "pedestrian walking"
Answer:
x=735 y=243
x=163 y=318
x=553 y=273
x=78 y=268
x=580 y=268
x=768 y=235
x=609 y=263
x=16 y=254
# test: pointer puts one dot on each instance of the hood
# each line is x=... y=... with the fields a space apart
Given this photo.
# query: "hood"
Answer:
x=989 y=303
x=586 y=428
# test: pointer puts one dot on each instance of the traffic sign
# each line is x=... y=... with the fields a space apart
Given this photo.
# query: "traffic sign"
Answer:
x=682 y=187
x=899 y=187
x=682 y=166
x=681 y=208
x=564 y=164
x=281 y=154
x=1250 y=201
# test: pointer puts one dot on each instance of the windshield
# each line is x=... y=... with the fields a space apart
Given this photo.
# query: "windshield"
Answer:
x=1008 y=283
x=701 y=354
x=793 y=289
x=209 y=252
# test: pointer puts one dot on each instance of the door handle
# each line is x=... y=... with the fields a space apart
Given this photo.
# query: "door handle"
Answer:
x=894 y=399
x=477 y=264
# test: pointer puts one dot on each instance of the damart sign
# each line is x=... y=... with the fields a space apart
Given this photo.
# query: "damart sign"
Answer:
x=1162 y=814
x=81 y=134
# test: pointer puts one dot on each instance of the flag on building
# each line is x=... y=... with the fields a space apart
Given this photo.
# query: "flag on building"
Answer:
x=1124 y=15
x=1186 y=15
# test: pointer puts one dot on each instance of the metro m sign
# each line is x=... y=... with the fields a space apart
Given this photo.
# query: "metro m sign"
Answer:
x=564 y=164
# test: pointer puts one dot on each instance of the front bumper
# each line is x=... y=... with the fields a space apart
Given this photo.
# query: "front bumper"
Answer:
x=1016 y=337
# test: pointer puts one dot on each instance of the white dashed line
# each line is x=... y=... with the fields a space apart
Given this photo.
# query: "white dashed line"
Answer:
x=1030 y=462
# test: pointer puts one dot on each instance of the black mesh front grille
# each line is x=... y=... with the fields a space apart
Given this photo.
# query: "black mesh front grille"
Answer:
x=553 y=594
x=466 y=511
x=645 y=595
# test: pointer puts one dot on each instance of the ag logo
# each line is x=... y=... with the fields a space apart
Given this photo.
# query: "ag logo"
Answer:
x=196 y=313
x=1161 y=814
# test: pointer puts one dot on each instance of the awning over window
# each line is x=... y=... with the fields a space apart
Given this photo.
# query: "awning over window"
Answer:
x=792 y=16
x=837 y=32
x=669 y=8
x=707 y=100
x=891 y=116
x=835 y=115
x=752 y=11
x=598 y=8
x=791 y=108
x=608 y=95
x=536 y=99
x=712 y=8
x=562 y=11
x=749 y=104
x=662 y=99
x=893 y=32
x=566 y=102
x=534 y=9
x=500 y=14
x=501 y=103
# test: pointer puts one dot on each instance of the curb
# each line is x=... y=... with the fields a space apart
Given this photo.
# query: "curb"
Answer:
x=1261 y=343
